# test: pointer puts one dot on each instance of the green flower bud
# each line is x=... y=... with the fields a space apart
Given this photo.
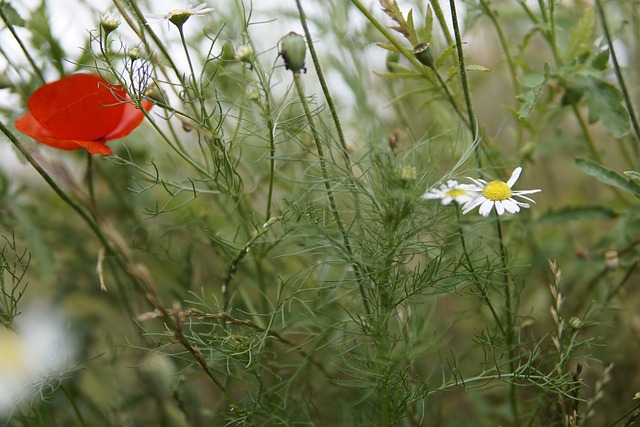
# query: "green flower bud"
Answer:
x=227 y=53
x=244 y=54
x=109 y=23
x=134 y=54
x=293 y=50
x=408 y=174
x=575 y=322
x=422 y=52
x=155 y=94
x=158 y=372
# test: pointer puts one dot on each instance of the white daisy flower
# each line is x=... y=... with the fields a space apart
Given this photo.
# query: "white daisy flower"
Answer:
x=452 y=192
x=179 y=16
x=498 y=194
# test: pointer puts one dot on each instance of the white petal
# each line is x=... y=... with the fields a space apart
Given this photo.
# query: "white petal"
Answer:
x=485 y=208
x=514 y=176
x=511 y=205
x=524 y=197
x=500 y=207
x=526 y=191
x=471 y=204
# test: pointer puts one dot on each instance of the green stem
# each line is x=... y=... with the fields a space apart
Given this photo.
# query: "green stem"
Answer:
x=465 y=84
x=75 y=408
x=483 y=290
x=587 y=135
x=5 y=19
x=327 y=184
x=437 y=10
x=323 y=84
x=510 y=325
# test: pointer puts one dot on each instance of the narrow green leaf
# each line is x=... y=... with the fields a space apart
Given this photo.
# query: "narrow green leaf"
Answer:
x=601 y=61
x=606 y=175
x=413 y=38
x=580 y=36
x=12 y=15
x=428 y=24
x=528 y=100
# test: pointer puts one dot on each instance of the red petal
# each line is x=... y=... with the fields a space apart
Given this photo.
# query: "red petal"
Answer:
x=131 y=118
x=28 y=125
x=80 y=106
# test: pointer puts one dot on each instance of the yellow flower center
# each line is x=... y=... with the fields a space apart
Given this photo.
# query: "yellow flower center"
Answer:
x=456 y=192
x=497 y=190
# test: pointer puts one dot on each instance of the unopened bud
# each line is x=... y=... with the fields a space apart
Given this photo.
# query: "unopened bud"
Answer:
x=109 y=23
x=155 y=94
x=422 y=53
x=575 y=322
x=244 y=54
x=611 y=260
x=293 y=50
x=408 y=174
x=134 y=54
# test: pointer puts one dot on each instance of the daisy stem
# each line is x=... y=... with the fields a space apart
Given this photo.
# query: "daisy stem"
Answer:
x=332 y=201
x=510 y=326
x=483 y=290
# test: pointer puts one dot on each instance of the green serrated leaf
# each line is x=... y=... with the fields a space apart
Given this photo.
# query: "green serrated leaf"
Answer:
x=607 y=176
x=574 y=213
x=528 y=100
x=580 y=36
x=532 y=80
x=605 y=104
x=13 y=17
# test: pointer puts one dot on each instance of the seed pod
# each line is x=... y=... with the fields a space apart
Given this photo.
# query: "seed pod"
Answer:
x=422 y=52
x=293 y=50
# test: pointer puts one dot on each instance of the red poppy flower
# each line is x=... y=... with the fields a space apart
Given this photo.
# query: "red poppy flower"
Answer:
x=80 y=111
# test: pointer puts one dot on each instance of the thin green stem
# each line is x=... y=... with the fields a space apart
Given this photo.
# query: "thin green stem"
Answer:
x=483 y=290
x=72 y=402
x=24 y=49
x=587 y=135
x=620 y=78
x=504 y=257
x=327 y=184
x=465 y=84
x=437 y=10
x=323 y=85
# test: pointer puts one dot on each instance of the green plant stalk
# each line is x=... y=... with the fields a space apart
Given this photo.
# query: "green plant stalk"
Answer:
x=465 y=84
x=509 y=315
x=193 y=82
x=332 y=202
x=24 y=49
x=621 y=83
x=323 y=85
x=75 y=408
x=437 y=10
x=411 y=58
x=585 y=130
x=476 y=280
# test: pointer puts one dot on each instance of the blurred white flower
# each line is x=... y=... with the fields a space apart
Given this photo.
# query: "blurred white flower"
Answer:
x=451 y=192
x=35 y=354
x=179 y=16
x=498 y=194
